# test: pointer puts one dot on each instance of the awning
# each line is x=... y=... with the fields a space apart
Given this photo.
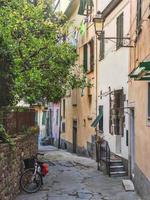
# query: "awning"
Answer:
x=96 y=121
x=142 y=72
x=83 y=4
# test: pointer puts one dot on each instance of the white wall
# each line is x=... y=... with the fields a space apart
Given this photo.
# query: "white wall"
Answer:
x=113 y=72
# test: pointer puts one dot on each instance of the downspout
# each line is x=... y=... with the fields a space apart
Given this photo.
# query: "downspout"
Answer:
x=59 y=143
x=96 y=64
x=96 y=57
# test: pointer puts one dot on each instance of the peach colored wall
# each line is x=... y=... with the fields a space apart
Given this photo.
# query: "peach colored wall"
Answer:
x=138 y=90
x=85 y=111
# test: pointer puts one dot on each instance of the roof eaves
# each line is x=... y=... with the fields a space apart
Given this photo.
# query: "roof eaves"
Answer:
x=71 y=7
x=110 y=7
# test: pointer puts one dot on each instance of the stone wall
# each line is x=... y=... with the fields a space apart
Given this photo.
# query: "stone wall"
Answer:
x=11 y=162
x=142 y=184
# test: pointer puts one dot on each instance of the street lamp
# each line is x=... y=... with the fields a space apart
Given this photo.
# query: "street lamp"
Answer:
x=98 y=21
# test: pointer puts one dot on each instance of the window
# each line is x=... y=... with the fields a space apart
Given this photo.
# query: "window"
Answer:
x=119 y=31
x=44 y=118
x=139 y=16
x=117 y=113
x=64 y=108
x=88 y=56
x=85 y=57
x=101 y=119
x=91 y=55
x=63 y=127
x=102 y=45
x=57 y=117
x=149 y=101
x=85 y=7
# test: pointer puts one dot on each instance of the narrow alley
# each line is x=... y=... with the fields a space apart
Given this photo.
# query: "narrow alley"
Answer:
x=72 y=177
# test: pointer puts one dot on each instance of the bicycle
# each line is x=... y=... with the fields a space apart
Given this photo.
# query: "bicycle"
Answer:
x=31 y=179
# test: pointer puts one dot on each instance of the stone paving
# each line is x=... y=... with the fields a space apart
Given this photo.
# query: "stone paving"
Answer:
x=72 y=177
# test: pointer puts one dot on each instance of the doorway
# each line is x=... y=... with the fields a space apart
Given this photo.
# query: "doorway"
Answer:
x=132 y=143
x=74 y=142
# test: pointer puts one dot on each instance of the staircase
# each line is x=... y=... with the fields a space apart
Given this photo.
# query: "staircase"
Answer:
x=117 y=168
x=113 y=164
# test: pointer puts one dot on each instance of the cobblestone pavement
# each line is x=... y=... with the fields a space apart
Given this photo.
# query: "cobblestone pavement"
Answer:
x=72 y=177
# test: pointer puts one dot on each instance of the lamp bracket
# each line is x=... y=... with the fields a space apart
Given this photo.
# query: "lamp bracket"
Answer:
x=116 y=38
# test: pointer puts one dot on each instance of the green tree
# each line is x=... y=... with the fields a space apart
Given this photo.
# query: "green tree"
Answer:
x=43 y=62
x=6 y=76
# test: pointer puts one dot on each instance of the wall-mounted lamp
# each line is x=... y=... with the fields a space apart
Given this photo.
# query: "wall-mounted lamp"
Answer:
x=98 y=21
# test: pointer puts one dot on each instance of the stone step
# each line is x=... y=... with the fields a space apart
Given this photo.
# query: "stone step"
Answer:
x=116 y=168
x=115 y=162
x=118 y=173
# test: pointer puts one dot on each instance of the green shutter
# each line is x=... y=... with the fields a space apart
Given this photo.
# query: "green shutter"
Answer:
x=101 y=119
x=83 y=4
x=139 y=15
x=82 y=7
x=119 y=31
x=44 y=118
x=85 y=55
x=92 y=55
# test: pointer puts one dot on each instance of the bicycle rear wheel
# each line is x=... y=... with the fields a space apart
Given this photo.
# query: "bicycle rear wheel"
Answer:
x=30 y=183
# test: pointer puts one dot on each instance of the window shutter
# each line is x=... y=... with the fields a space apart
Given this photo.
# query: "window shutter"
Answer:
x=63 y=127
x=139 y=15
x=57 y=116
x=118 y=113
x=101 y=120
x=102 y=45
x=110 y=114
x=85 y=52
x=119 y=31
x=91 y=55
x=64 y=108
x=149 y=100
x=84 y=5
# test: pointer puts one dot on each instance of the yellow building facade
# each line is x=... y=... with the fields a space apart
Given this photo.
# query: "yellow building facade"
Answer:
x=139 y=96
x=79 y=107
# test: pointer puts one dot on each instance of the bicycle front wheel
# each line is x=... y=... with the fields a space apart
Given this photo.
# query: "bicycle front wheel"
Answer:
x=29 y=182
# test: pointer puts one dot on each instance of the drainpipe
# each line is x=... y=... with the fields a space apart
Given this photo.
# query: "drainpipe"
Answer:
x=96 y=57
x=59 y=144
